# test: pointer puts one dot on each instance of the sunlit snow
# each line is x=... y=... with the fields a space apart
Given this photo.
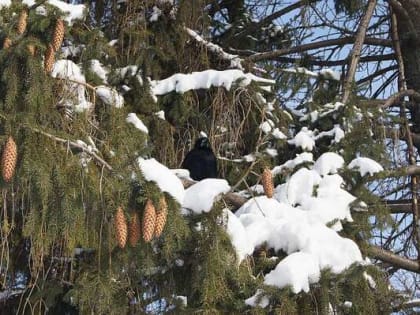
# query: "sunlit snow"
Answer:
x=365 y=166
x=166 y=180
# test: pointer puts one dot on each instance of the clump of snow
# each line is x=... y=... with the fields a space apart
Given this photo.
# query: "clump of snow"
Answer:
x=5 y=3
x=97 y=68
x=304 y=139
x=328 y=163
x=200 y=197
x=167 y=181
x=277 y=134
x=259 y=295
x=365 y=166
x=266 y=126
x=181 y=173
x=133 y=119
x=73 y=11
x=330 y=74
x=160 y=114
x=298 y=270
x=271 y=152
x=304 y=157
x=370 y=280
x=109 y=96
x=182 y=83
x=237 y=234
x=301 y=70
x=156 y=12
x=75 y=81
x=336 y=133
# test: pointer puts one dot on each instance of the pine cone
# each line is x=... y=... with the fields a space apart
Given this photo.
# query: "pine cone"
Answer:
x=149 y=219
x=22 y=22
x=58 y=35
x=31 y=49
x=120 y=227
x=134 y=230
x=9 y=159
x=267 y=182
x=161 y=216
x=7 y=43
x=49 y=59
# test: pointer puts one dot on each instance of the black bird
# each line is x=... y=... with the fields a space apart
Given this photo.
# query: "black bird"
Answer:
x=201 y=161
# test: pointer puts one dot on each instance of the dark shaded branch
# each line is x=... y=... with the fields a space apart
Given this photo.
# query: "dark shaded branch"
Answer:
x=320 y=44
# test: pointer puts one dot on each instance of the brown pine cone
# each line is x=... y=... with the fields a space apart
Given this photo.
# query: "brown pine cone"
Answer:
x=149 y=219
x=7 y=43
x=161 y=216
x=120 y=227
x=49 y=59
x=267 y=183
x=134 y=230
x=9 y=159
x=31 y=49
x=22 y=22
x=58 y=35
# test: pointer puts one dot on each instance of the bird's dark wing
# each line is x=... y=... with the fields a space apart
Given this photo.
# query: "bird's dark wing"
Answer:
x=201 y=164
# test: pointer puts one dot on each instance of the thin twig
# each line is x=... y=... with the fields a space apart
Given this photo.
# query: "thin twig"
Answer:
x=75 y=145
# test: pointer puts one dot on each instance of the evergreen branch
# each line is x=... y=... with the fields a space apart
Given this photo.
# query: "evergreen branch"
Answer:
x=319 y=44
x=406 y=305
x=75 y=145
x=393 y=259
x=357 y=48
x=233 y=59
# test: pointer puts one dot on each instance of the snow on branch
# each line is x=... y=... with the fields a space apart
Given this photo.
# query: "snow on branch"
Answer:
x=73 y=11
x=235 y=61
x=182 y=83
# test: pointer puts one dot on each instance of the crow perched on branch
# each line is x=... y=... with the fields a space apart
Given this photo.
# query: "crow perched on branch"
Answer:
x=201 y=161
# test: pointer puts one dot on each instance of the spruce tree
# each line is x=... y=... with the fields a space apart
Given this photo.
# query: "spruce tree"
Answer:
x=100 y=99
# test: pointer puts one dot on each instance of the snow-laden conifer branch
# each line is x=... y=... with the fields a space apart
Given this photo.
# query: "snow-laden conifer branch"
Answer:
x=75 y=145
x=235 y=61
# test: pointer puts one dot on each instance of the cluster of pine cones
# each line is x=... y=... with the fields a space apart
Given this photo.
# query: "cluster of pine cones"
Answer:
x=151 y=226
x=53 y=47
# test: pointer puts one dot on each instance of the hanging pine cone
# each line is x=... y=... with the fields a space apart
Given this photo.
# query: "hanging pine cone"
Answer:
x=120 y=227
x=31 y=49
x=134 y=230
x=149 y=219
x=49 y=59
x=22 y=22
x=9 y=159
x=267 y=182
x=161 y=216
x=58 y=35
x=7 y=43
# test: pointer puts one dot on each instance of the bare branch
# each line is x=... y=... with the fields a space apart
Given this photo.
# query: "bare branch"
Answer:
x=357 y=48
x=393 y=259
x=325 y=43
